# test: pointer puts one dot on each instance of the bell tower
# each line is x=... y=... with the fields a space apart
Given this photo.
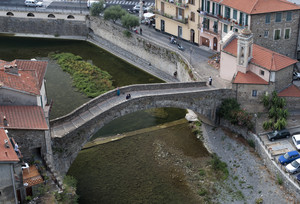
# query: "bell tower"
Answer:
x=244 y=49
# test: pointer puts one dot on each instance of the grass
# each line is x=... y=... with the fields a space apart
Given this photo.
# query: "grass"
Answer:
x=219 y=166
x=87 y=78
x=251 y=143
x=279 y=180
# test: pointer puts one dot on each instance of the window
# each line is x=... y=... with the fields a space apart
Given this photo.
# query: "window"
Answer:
x=225 y=28
x=214 y=8
x=278 y=17
x=192 y=2
x=202 y=5
x=276 y=34
x=192 y=16
x=254 y=93
x=205 y=23
x=287 y=33
x=262 y=72
x=289 y=16
x=266 y=34
x=235 y=14
x=179 y=32
x=268 y=18
x=208 y=7
x=227 y=12
x=179 y=13
x=216 y=26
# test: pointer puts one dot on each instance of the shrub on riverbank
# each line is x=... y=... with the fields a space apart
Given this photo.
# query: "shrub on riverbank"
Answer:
x=87 y=78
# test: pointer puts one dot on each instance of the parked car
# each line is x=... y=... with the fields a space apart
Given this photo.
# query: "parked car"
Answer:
x=298 y=177
x=293 y=167
x=33 y=3
x=296 y=75
x=136 y=9
x=278 y=134
x=288 y=157
x=296 y=141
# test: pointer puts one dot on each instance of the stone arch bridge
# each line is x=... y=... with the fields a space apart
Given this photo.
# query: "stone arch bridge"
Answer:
x=70 y=132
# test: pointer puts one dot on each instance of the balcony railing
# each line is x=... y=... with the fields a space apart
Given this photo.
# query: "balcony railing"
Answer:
x=177 y=3
x=181 y=20
x=214 y=31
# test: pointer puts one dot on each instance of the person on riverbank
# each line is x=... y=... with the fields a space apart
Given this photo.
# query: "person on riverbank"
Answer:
x=118 y=91
x=210 y=81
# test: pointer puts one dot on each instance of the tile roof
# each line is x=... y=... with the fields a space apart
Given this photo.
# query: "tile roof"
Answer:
x=7 y=155
x=260 y=6
x=249 y=78
x=31 y=176
x=263 y=57
x=29 y=78
x=23 y=117
x=291 y=91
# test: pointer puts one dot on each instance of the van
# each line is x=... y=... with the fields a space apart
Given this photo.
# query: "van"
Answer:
x=33 y=3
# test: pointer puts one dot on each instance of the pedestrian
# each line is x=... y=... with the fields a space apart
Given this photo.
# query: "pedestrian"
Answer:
x=118 y=91
x=17 y=149
x=141 y=31
x=210 y=81
x=128 y=96
x=175 y=74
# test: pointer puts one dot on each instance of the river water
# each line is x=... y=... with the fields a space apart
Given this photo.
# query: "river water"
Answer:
x=125 y=171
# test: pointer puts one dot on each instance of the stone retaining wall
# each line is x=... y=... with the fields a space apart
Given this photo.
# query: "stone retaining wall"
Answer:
x=289 y=182
x=159 y=56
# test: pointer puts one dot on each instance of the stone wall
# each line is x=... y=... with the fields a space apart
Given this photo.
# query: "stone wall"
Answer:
x=29 y=141
x=6 y=184
x=56 y=27
x=266 y=157
x=282 y=77
x=159 y=56
x=282 y=46
x=66 y=148
x=292 y=103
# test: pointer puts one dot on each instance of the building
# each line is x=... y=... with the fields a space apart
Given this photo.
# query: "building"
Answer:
x=274 y=23
x=22 y=83
x=8 y=159
x=253 y=70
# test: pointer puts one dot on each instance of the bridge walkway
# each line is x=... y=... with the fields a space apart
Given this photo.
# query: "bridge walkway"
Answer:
x=69 y=125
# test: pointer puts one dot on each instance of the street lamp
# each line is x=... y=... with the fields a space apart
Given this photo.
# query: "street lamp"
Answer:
x=255 y=116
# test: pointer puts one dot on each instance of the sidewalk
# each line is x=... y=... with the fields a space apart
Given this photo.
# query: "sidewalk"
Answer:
x=197 y=56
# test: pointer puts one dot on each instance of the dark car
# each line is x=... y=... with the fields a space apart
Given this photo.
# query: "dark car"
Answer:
x=278 y=134
x=298 y=177
x=289 y=157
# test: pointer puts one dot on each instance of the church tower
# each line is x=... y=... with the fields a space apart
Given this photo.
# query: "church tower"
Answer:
x=244 y=49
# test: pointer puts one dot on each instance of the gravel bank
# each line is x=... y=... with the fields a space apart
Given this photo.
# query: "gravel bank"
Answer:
x=249 y=179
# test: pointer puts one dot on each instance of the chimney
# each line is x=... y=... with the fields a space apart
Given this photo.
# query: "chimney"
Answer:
x=12 y=69
x=6 y=143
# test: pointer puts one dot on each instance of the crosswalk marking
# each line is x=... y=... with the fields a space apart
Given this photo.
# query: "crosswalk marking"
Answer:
x=129 y=3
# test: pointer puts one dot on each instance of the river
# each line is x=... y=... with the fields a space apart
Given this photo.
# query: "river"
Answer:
x=124 y=171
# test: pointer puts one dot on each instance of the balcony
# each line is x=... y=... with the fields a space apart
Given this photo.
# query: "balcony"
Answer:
x=175 y=18
x=214 y=32
x=177 y=3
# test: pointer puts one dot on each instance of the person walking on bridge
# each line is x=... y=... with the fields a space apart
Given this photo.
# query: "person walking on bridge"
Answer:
x=210 y=81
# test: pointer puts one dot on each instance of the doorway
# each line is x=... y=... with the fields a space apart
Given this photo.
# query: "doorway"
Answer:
x=162 y=25
x=179 y=32
x=215 y=47
x=192 y=36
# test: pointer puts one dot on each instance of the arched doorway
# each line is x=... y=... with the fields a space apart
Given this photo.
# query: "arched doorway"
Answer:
x=192 y=36
x=215 y=46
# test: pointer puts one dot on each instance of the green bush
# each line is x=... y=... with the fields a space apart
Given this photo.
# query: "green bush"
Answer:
x=114 y=13
x=127 y=33
x=251 y=143
x=97 y=8
x=219 y=166
x=129 y=21
x=87 y=78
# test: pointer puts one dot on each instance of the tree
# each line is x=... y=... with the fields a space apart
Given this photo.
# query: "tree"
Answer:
x=114 y=13
x=97 y=8
x=276 y=112
x=129 y=21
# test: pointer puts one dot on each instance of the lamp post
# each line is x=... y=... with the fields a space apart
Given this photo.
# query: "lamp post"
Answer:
x=255 y=127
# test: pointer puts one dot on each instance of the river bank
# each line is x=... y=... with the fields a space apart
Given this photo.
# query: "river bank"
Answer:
x=249 y=181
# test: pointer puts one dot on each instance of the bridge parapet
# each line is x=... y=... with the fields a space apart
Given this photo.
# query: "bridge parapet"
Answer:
x=125 y=89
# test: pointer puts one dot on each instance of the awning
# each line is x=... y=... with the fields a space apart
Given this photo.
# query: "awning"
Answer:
x=149 y=15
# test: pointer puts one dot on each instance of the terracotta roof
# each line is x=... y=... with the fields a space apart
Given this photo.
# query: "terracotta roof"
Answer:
x=23 y=117
x=31 y=176
x=291 y=91
x=260 y=6
x=263 y=57
x=7 y=154
x=248 y=78
x=29 y=78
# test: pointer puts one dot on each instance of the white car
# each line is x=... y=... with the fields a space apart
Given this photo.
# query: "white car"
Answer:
x=296 y=75
x=293 y=167
x=33 y=3
x=296 y=141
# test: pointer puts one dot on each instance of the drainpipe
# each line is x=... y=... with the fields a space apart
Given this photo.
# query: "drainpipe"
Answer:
x=13 y=181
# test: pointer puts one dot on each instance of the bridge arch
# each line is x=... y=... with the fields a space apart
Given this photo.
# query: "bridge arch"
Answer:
x=71 y=132
x=51 y=15
x=30 y=15
x=70 y=17
x=9 y=14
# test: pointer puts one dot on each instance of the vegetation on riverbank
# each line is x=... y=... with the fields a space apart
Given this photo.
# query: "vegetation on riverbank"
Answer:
x=87 y=78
